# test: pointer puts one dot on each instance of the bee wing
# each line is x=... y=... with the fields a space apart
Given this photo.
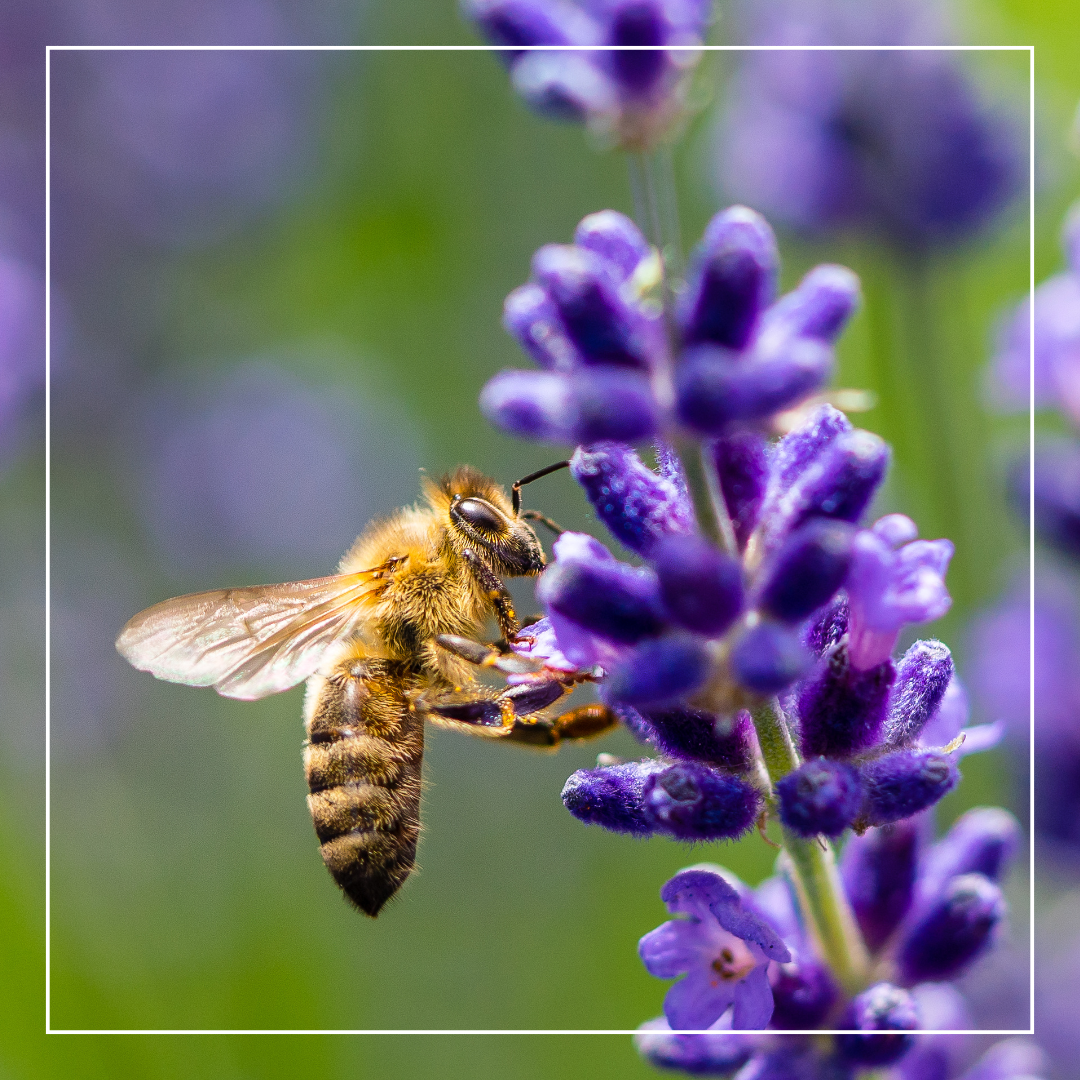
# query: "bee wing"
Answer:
x=248 y=643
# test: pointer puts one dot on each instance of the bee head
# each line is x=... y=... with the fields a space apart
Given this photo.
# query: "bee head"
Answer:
x=481 y=519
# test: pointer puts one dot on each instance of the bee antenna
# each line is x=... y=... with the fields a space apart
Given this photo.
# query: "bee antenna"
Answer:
x=515 y=491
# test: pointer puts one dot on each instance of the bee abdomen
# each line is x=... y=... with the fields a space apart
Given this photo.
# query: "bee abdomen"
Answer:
x=363 y=759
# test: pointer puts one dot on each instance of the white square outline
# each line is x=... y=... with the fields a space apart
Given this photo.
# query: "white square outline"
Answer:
x=630 y=1031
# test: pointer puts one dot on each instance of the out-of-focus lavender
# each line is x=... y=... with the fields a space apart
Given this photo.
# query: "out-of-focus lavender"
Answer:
x=1056 y=340
x=631 y=96
x=999 y=672
x=175 y=147
x=902 y=144
x=22 y=347
x=256 y=466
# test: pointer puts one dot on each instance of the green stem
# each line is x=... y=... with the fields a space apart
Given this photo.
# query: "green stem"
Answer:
x=813 y=865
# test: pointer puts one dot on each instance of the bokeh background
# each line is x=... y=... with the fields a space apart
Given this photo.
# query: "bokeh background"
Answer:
x=277 y=286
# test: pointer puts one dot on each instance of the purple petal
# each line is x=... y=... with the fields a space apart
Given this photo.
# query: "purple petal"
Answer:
x=697 y=1001
x=674 y=947
x=615 y=238
x=753 y=1001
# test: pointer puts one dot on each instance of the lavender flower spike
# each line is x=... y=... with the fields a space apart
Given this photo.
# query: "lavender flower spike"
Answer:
x=894 y=580
x=723 y=949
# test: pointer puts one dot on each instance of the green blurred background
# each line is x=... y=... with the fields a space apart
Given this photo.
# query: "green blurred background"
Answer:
x=186 y=888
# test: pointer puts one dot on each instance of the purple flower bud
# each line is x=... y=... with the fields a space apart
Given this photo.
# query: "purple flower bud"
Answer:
x=532 y=319
x=732 y=278
x=828 y=627
x=612 y=796
x=660 y=669
x=842 y=710
x=803 y=994
x=638 y=506
x=799 y=448
x=769 y=658
x=705 y=1054
x=615 y=238
x=604 y=328
x=982 y=841
x=609 y=598
x=637 y=22
x=881 y=1008
x=820 y=796
x=841 y=481
x=580 y=408
x=531 y=404
x=955 y=929
x=562 y=85
x=743 y=471
x=807 y=570
x=701 y=587
x=879 y=870
x=903 y=783
x=693 y=802
x=716 y=387
x=512 y=23
x=614 y=405
x=693 y=734
x=819 y=307
x=922 y=677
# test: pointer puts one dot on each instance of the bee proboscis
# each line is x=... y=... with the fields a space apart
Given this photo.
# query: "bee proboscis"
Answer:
x=384 y=644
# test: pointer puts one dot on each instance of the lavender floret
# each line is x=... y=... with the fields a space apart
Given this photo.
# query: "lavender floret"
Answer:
x=806 y=572
x=881 y=1008
x=842 y=710
x=693 y=802
x=732 y=279
x=903 y=783
x=922 y=677
x=683 y=732
x=637 y=505
x=609 y=598
x=981 y=841
x=701 y=587
x=660 y=670
x=820 y=796
x=743 y=471
x=803 y=994
x=612 y=796
x=879 y=871
x=769 y=658
x=956 y=928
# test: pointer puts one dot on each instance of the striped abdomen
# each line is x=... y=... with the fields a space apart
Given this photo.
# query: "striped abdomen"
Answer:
x=362 y=759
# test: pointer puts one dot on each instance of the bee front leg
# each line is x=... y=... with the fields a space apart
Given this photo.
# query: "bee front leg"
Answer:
x=497 y=594
x=485 y=656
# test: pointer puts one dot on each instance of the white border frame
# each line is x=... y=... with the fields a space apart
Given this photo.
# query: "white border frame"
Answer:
x=486 y=49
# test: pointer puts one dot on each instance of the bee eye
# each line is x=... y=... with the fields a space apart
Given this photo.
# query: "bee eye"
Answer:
x=480 y=515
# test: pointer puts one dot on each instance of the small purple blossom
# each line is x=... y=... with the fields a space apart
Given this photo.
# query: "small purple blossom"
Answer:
x=722 y=948
x=894 y=580
x=631 y=96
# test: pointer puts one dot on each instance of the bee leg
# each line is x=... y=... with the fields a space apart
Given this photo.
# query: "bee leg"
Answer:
x=500 y=599
x=584 y=722
x=486 y=656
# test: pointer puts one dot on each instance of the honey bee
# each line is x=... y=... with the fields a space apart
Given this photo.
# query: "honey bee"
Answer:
x=384 y=644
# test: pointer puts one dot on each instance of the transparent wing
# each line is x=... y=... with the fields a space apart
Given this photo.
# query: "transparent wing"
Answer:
x=248 y=643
